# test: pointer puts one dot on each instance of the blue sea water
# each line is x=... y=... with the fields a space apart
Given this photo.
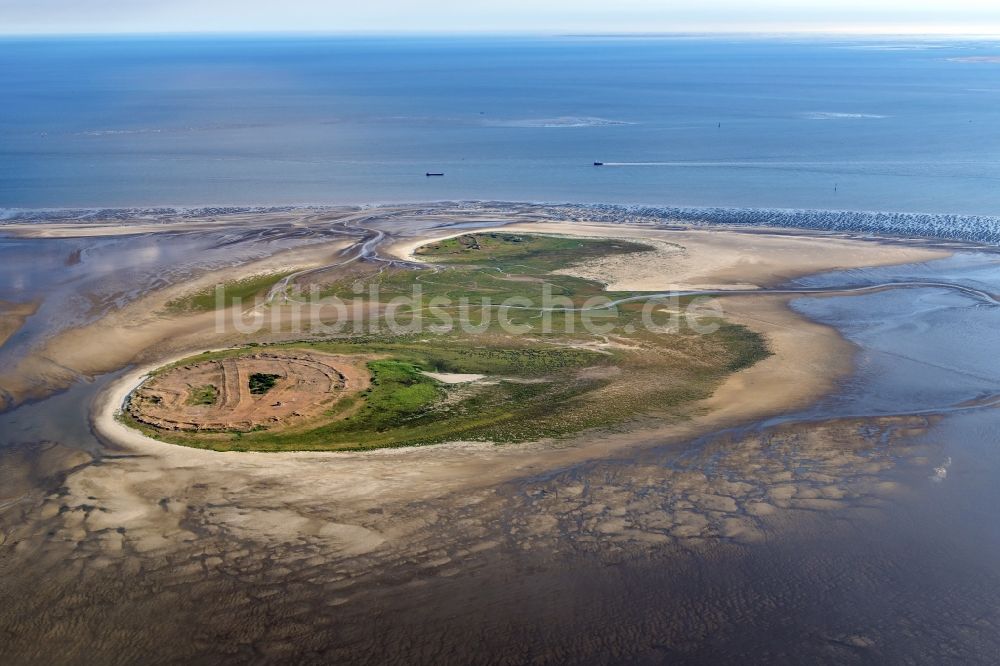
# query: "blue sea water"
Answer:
x=841 y=125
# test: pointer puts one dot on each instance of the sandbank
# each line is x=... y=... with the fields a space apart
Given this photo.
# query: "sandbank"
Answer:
x=711 y=258
x=13 y=316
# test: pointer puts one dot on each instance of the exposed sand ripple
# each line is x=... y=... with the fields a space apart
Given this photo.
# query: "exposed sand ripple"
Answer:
x=452 y=552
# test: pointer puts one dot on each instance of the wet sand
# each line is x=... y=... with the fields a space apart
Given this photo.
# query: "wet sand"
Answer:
x=737 y=535
x=807 y=360
x=13 y=316
x=141 y=329
x=144 y=328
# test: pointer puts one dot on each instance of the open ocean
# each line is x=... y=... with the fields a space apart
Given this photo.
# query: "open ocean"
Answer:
x=830 y=125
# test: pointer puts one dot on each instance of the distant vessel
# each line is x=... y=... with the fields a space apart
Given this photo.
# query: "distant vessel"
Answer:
x=598 y=163
x=431 y=173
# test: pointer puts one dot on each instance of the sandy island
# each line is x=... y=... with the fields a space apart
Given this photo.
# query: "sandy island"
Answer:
x=808 y=358
x=147 y=516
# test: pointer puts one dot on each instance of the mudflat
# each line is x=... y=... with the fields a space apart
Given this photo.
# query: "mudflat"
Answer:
x=659 y=480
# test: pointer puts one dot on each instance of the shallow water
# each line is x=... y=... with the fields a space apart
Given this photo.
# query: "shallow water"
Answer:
x=62 y=418
x=921 y=348
x=78 y=280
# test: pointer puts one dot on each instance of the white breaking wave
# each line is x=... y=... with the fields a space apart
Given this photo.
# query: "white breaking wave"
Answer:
x=562 y=121
x=941 y=472
x=977 y=228
x=838 y=115
x=980 y=59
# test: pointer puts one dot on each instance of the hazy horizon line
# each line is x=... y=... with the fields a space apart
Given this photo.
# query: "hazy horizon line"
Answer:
x=795 y=32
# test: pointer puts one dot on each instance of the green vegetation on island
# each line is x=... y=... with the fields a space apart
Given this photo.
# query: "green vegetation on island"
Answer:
x=262 y=382
x=203 y=395
x=244 y=291
x=544 y=381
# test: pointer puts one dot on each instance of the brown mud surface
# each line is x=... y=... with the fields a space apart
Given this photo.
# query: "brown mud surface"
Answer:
x=216 y=395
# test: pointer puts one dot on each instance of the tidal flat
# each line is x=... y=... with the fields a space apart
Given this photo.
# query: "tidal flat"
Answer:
x=833 y=491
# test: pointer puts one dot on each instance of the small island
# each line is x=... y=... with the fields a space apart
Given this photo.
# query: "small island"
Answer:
x=390 y=389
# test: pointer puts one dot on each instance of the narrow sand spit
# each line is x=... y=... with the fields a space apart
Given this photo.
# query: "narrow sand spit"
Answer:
x=693 y=259
x=100 y=230
x=166 y=223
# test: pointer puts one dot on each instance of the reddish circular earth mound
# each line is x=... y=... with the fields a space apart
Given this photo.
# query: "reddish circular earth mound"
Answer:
x=225 y=395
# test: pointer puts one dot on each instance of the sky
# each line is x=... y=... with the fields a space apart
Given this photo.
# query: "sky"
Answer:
x=979 y=17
